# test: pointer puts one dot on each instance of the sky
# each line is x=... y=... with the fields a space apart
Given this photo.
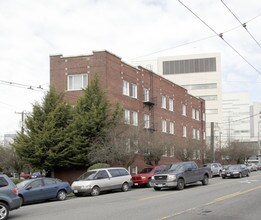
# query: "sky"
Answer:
x=31 y=31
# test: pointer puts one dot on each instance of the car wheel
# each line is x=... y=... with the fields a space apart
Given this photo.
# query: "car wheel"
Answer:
x=223 y=177
x=125 y=187
x=4 y=211
x=248 y=174
x=205 y=180
x=61 y=195
x=149 y=183
x=95 y=191
x=22 y=199
x=157 y=188
x=180 y=184
x=240 y=175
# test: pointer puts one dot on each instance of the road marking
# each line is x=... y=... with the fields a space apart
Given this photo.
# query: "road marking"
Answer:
x=158 y=196
x=223 y=198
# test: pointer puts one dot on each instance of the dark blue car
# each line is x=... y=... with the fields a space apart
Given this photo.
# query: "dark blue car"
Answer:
x=41 y=189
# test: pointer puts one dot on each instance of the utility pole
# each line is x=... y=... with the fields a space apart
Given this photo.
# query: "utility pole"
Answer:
x=212 y=141
x=22 y=115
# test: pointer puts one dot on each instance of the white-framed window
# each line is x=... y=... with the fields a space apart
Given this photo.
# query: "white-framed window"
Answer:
x=128 y=145
x=204 y=116
x=171 y=105
x=194 y=133
x=164 y=126
x=134 y=91
x=146 y=95
x=135 y=118
x=184 y=110
x=77 y=82
x=194 y=157
x=198 y=135
x=171 y=128
x=184 y=131
x=165 y=151
x=172 y=152
x=126 y=88
x=146 y=121
x=197 y=114
x=163 y=102
x=193 y=113
x=126 y=116
x=136 y=146
x=204 y=135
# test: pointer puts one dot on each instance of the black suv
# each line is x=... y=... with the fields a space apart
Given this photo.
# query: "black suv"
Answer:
x=9 y=199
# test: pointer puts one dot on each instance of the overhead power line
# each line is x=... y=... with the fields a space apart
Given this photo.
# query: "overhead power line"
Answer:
x=241 y=119
x=24 y=86
x=221 y=36
x=244 y=25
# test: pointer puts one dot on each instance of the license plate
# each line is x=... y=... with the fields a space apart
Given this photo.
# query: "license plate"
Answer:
x=228 y=174
x=136 y=184
x=159 y=185
x=75 y=191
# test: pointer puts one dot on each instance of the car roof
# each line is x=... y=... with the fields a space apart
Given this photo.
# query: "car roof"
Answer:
x=107 y=168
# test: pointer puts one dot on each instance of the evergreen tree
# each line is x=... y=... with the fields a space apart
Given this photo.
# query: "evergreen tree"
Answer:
x=43 y=143
x=93 y=118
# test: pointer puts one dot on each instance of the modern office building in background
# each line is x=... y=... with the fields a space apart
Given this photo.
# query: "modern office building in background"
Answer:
x=255 y=121
x=200 y=74
x=236 y=117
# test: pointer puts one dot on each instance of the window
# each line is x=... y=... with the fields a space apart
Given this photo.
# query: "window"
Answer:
x=172 y=152
x=171 y=128
x=193 y=113
x=77 y=82
x=134 y=91
x=198 y=135
x=194 y=133
x=184 y=131
x=3 y=182
x=102 y=174
x=49 y=182
x=127 y=116
x=146 y=95
x=128 y=145
x=146 y=121
x=123 y=172
x=184 y=110
x=135 y=118
x=163 y=102
x=197 y=114
x=204 y=135
x=171 y=105
x=114 y=172
x=204 y=116
x=165 y=152
x=200 y=86
x=126 y=88
x=36 y=184
x=164 y=126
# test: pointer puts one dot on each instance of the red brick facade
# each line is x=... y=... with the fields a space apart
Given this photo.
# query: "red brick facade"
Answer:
x=112 y=72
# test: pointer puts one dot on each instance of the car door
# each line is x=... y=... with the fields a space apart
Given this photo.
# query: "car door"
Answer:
x=34 y=191
x=102 y=179
x=116 y=179
x=50 y=188
x=190 y=173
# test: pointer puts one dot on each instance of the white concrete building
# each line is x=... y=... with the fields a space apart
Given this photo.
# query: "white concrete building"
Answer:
x=200 y=74
x=255 y=121
x=236 y=120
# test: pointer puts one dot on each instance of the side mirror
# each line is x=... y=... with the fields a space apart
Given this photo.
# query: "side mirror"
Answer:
x=28 y=187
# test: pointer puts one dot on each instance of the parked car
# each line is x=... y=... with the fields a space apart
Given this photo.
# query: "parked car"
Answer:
x=258 y=166
x=37 y=175
x=238 y=170
x=251 y=167
x=9 y=199
x=41 y=189
x=95 y=181
x=181 y=174
x=24 y=175
x=216 y=168
x=143 y=178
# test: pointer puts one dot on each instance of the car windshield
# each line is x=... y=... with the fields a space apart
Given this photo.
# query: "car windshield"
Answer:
x=176 y=167
x=23 y=183
x=234 y=167
x=147 y=170
x=88 y=175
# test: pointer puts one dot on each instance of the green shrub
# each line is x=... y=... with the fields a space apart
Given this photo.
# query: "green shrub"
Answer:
x=98 y=166
x=17 y=180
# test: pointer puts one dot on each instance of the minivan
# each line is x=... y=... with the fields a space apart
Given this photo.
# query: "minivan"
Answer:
x=95 y=181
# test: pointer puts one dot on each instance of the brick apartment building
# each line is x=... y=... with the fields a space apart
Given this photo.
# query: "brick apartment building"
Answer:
x=148 y=99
